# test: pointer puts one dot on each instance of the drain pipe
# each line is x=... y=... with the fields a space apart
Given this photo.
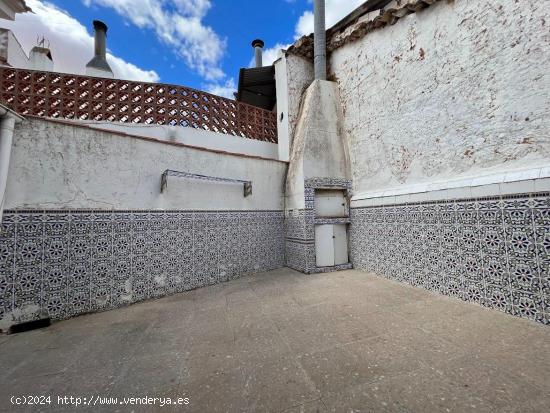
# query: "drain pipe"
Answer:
x=320 y=40
x=7 y=125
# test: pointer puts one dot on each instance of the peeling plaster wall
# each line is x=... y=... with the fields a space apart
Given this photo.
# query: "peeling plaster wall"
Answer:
x=459 y=89
x=317 y=151
x=192 y=137
x=300 y=75
x=57 y=166
x=86 y=228
x=446 y=115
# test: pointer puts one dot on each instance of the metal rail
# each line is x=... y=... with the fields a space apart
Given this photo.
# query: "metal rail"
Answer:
x=164 y=180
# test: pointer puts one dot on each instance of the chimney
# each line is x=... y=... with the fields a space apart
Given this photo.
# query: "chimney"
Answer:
x=320 y=40
x=40 y=58
x=98 y=66
x=258 y=45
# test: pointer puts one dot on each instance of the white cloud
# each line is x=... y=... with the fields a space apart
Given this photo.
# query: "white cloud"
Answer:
x=335 y=11
x=269 y=55
x=71 y=45
x=272 y=54
x=177 y=23
x=193 y=7
x=125 y=70
x=225 y=89
x=304 y=25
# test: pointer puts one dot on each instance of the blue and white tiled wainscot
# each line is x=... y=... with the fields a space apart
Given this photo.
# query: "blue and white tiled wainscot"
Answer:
x=64 y=263
x=491 y=251
x=300 y=227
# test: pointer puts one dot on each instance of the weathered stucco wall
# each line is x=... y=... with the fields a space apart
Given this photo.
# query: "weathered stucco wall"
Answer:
x=293 y=75
x=446 y=115
x=459 y=89
x=318 y=151
x=87 y=229
x=192 y=137
x=300 y=76
x=58 y=166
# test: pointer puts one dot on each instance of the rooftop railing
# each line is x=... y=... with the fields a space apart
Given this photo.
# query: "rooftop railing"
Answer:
x=67 y=96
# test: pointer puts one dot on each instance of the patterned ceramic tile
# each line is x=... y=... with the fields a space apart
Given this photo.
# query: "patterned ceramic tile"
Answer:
x=494 y=252
x=64 y=263
x=300 y=227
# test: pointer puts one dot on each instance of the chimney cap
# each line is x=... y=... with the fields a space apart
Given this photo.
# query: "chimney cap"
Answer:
x=42 y=50
x=99 y=25
x=258 y=43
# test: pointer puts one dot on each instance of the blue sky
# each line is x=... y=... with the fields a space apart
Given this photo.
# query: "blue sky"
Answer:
x=197 y=43
x=237 y=21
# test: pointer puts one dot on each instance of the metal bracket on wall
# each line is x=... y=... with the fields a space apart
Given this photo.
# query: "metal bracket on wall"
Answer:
x=168 y=172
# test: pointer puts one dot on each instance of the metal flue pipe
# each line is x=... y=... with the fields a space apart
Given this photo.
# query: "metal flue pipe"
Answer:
x=258 y=46
x=100 y=35
x=320 y=40
x=99 y=61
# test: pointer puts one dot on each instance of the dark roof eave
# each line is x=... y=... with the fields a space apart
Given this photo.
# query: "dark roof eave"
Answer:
x=261 y=78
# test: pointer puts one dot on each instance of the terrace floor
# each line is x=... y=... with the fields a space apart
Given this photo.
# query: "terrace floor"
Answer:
x=287 y=342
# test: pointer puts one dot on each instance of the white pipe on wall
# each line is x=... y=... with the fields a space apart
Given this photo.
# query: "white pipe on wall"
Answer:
x=7 y=126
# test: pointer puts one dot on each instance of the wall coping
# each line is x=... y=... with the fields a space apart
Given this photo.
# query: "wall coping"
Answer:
x=507 y=183
x=145 y=138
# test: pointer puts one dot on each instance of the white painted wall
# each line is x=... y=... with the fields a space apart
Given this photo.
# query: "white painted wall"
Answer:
x=39 y=60
x=60 y=166
x=11 y=50
x=300 y=76
x=293 y=76
x=281 y=82
x=12 y=53
x=459 y=90
x=318 y=150
x=193 y=137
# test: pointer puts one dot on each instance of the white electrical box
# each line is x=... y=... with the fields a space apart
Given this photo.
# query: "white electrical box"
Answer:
x=331 y=245
x=330 y=204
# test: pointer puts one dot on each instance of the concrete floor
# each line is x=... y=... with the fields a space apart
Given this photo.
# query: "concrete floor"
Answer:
x=286 y=342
